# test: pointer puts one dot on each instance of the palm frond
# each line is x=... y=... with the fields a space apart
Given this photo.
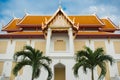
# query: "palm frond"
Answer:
x=34 y=58
x=37 y=73
x=49 y=71
x=90 y=59
x=29 y=48
x=102 y=65
x=88 y=50
x=19 y=65
x=81 y=54
x=106 y=58
x=47 y=59
x=98 y=52
x=23 y=54
x=76 y=68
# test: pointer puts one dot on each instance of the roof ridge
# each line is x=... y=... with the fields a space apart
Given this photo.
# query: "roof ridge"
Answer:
x=98 y=19
x=11 y=21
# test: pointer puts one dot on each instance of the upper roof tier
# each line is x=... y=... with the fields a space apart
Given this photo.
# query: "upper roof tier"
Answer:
x=11 y=26
x=109 y=25
x=33 y=20
x=82 y=21
x=86 y=20
x=58 y=21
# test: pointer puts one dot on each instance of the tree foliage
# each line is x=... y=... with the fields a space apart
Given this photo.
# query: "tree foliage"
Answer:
x=90 y=59
x=35 y=59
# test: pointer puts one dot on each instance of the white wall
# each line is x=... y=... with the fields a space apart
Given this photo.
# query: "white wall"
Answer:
x=65 y=58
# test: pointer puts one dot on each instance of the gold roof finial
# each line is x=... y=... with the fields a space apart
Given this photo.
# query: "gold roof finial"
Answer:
x=46 y=20
x=74 y=20
x=59 y=4
x=2 y=24
x=13 y=15
x=25 y=11
x=119 y=26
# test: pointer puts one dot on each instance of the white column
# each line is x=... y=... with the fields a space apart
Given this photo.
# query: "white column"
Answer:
x=71 y=44
x=48 y=41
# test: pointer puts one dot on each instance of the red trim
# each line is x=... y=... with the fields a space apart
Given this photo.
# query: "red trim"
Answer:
x=90 y=25
x=98 y=36
x=12 y=30
x=109 y=30
x=21 y=36
x=62 y=31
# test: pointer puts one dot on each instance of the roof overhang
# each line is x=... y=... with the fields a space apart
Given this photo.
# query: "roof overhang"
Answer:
x=99 y=36
x=25 y=36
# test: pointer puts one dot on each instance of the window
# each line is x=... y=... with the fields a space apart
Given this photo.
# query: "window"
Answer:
x=79 y=45
x=19 y=45
x=117 y=47
x=3 y=46
x=118 y=65
x=100 y=44
x=1 y=67
x=40 y=45
x=59 y=45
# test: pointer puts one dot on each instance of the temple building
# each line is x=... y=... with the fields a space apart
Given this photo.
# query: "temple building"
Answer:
x=59 y=36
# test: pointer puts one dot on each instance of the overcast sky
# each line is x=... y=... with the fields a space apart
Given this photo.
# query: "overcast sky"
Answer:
x=102 y=8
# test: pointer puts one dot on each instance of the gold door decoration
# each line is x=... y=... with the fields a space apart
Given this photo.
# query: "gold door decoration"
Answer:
x=59 y=73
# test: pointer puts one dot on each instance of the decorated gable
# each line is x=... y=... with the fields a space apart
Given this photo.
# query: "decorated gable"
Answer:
x=59 y=22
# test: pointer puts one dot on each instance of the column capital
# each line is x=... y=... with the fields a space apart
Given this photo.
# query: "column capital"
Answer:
x=70 y=29
x=49 y=29
x=70 y=32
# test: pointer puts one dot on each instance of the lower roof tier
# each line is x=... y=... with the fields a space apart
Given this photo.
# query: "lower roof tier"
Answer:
x=79 y=34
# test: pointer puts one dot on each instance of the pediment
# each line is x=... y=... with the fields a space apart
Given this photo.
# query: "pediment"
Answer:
x=60 y=22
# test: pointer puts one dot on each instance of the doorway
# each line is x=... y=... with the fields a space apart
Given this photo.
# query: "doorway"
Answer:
x=59 y=72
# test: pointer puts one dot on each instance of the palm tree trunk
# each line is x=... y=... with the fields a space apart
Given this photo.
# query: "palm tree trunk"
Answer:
x=32 y=78
x=92 y=75
x=33 y=71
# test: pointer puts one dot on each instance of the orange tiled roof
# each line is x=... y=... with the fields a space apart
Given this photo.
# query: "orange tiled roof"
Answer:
x=88 y=19
x=23 y=34
x=27 y=33
x=92 y=33
x=11 y=26
x=83 y=34
x=108 y=24
x=31 y=19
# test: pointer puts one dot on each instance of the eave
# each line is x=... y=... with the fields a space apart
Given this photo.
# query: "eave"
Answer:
x=108 y=29
x=19 y=36
x=91 y=25
x=12 y=30
x=98 y=36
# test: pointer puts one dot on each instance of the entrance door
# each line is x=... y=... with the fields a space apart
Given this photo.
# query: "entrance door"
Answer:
x=59 y=72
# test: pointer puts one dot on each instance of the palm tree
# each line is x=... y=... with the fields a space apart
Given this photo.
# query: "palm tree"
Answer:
x=90 y=59
x=35 y=59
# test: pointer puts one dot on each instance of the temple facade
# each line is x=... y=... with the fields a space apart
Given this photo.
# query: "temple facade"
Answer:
x=59 y=36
